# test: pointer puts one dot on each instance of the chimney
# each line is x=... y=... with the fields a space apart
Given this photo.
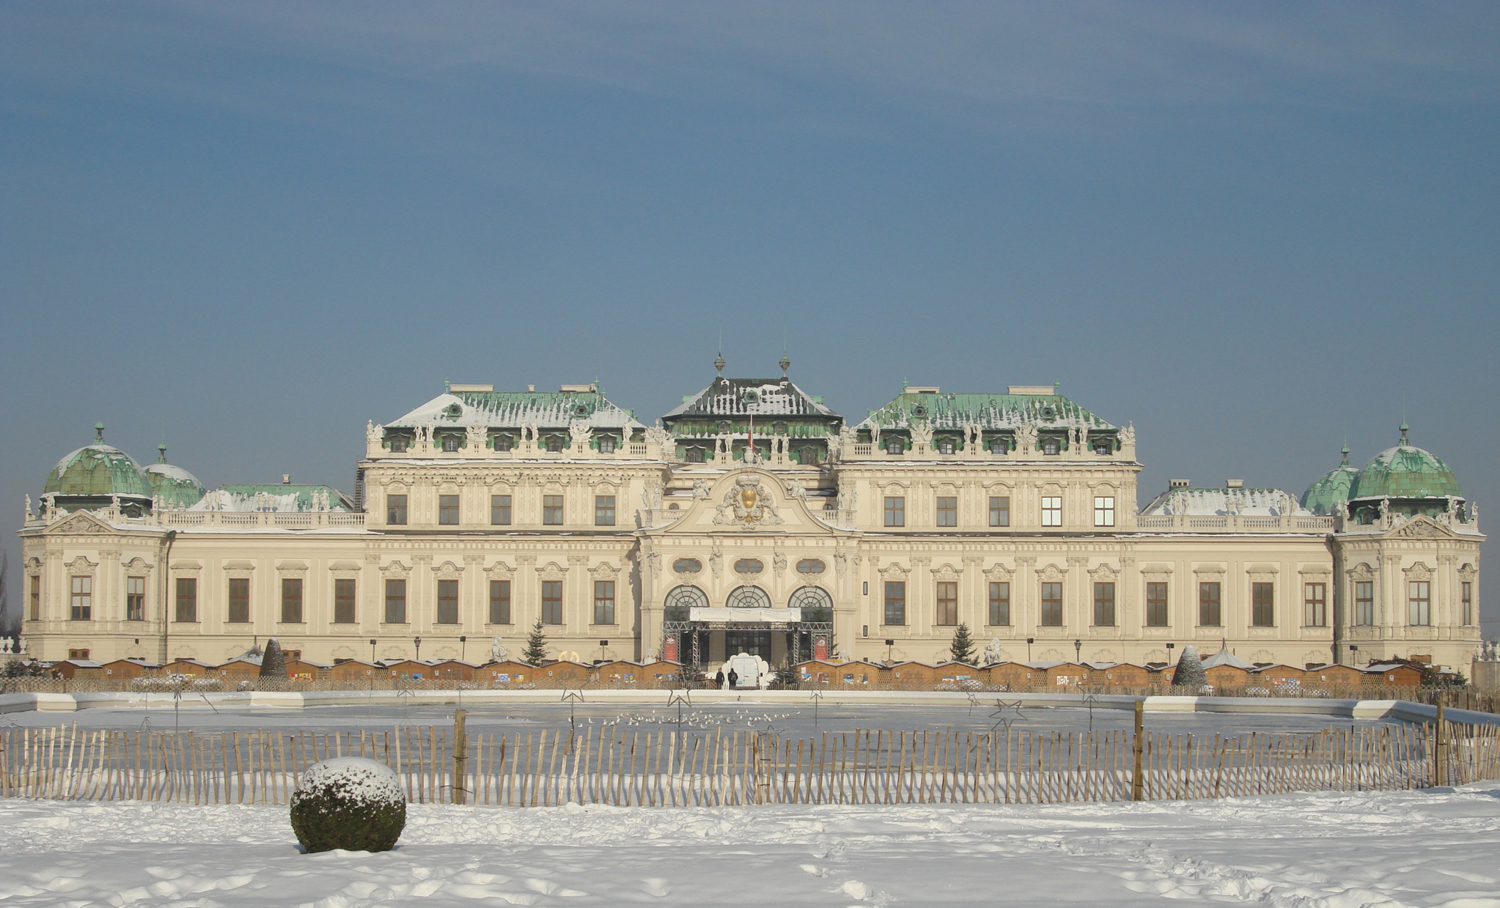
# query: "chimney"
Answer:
x=531 y=388
x=1234 y=483
x=286 y=479
x=1178 y=483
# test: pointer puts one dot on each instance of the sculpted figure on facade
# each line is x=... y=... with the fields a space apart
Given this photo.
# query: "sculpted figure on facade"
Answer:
x=1026 y=437
x=656 y=435
x=749 y=503
x=373 y=433
x=579 y=435
x=921 y=437
x=795 y=490
x=701 y=490
x=476 y=435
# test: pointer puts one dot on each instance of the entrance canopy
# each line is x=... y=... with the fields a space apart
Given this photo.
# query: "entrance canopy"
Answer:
x=745 y=615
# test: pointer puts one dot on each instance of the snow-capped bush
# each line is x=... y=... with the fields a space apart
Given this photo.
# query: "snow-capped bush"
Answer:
x=349 y=803
x=1190 y=677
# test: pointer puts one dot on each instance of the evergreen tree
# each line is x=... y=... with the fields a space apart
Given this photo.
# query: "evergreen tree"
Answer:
x=273 y=663
x=536 y=645
x=1189 y=677
x=962 y=646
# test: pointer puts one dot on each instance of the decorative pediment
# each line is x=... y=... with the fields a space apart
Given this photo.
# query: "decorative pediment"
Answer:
x=1421 y=528
x=82 y=565
x=291 y=566
x=1362 y=572
x=551 y=571
x=81 y=523
x=604 y=571
x=1419 y=571
x=998 y=573
x=33 y=564
x=137 y=564
x=500 y=571
x=1103 y=574
x=447 y=571
x=344 y=566
x=239 y=566
x=894 y=571
x=946 y=572
x=396 y=571
x=748 y=502
x=1052 y=574
x=1467 y=571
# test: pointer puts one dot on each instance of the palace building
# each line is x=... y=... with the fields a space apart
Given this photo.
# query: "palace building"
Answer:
x=752 y=518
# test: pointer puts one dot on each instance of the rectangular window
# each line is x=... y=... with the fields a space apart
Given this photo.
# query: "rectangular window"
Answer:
x=1263 y=604
x=1156 y=604
x=291 y=600
x=1419 y=603
x=1052 y=511
x=500 y=510
x=1104 y=511
x=448 y=510
x=895 y=601
x=500 y=602
x=450 y=444
x=1315 y=598
x=135 y=598
x=187 y=599
x=395 y=602
x=604 y=510
x=83 y=599
x=239 y=600
x=1466 y=599
x=947 y=511
x=78 y=654
x=604 y=602
x=552 y=609
x=395 y=510
x=1000 y=604
x=343 y=601
x=1052 y=608
x=1104 y=605
x=552 y=510
x=36 y=598
x=606 y=444
x=999 y=510
x=1209 y=614
x=947 y=603
x=447 y=605
x=1364 y=603
x=895 y=511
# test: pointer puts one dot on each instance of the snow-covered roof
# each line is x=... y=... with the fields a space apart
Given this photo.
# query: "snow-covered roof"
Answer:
x=1225 y=657
x=276 y=497
x=1214 y=502
x=988 y=411
x=759 y=397
x=512 y=409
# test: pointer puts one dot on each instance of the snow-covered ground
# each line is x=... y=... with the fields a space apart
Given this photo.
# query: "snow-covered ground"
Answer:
x=1435 y=847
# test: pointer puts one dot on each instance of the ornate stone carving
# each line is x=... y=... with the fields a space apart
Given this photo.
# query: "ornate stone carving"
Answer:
x=701 y=490
x=748 y=503
x=921 y=437
x=1052 y=574
x=579 y=435
x=1419 y=571
x=1026 y=438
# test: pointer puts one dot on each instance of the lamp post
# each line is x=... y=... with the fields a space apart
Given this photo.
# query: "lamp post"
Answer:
x=1354 y=654
x=463 y=640
x=1078 y=651
x=1170 y=647
x=418 y=642
x=1029 y=641
x=888 y=645
x=602 y=645
x=372 y=651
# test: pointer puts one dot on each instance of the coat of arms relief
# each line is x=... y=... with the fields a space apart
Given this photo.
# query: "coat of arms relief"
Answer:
x=748 y=503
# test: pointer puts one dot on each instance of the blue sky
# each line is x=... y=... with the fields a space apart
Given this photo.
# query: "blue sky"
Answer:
x=1255 y=230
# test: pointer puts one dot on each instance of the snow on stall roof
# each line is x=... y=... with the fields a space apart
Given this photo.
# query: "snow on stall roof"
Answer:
x=1225 y=657
x=1217 y=502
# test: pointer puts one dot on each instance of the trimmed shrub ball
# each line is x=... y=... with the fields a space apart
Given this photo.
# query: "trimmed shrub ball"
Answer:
x=349 y=803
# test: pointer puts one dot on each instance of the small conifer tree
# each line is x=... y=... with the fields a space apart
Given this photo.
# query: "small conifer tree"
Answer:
x=962 y=646
x=273 y=662
x=1189 y=677
x=536 y=645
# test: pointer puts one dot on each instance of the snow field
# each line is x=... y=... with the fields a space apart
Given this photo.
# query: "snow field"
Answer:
x=1439 y=847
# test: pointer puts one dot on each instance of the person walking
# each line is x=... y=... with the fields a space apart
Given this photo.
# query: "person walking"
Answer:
x=719 y=680
x=734 y=679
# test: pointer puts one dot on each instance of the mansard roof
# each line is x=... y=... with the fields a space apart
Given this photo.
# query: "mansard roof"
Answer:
x=1218 y=502
x=511 y=409
x=760 y=397
x=269 y=496
x=988 y=411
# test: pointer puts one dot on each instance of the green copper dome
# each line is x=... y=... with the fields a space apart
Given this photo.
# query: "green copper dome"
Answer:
x=1331 y=489
x=97 y=470
x=1405 y=472
x=173 y=486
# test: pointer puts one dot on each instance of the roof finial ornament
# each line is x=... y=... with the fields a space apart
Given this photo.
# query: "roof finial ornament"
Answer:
x=161 y=456
x=1404 y=428
x=99 y=432
x=784 y=363
x=719 y=363
x=1345 y=451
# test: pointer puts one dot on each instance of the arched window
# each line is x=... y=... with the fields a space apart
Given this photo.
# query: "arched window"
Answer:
x=815 y=603
x=1049 y=446
x=748 y=597
x=681 y=599
x=945 y=446
x=810 y=456
x=894 y=445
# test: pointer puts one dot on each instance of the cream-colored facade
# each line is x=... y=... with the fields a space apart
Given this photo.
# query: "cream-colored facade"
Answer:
x=755 y=520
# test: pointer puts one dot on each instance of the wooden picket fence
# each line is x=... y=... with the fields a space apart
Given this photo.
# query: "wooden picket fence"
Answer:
x=667 y=767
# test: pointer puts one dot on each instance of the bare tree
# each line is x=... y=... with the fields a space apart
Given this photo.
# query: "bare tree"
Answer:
x=10 y=625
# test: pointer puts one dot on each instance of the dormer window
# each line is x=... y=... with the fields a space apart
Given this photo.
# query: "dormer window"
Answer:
x=1049 y=446
x=1102 y=448
x=998 y=446
x=398 y=444
x=894 y=445
x=695 y=455
x=606 y=444
x=450 y=444
x=503 y=443
x=945 y=446
x=780 y=428
x=554 y=444
x=723 y=426
x=809 y=456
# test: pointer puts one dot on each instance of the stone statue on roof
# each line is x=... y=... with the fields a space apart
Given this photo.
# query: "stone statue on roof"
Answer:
x=579 y=434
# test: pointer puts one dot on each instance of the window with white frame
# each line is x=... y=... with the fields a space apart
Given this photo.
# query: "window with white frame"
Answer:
x=81 y=608
x=1104 y=510
x=1052 y=511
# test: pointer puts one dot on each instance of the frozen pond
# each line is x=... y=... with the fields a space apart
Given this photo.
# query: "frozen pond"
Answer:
x=797 y=718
